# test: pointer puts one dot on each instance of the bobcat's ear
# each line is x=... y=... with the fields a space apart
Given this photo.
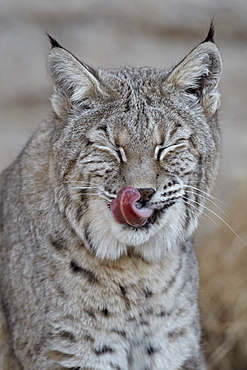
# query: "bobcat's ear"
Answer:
x=197 y=76
x=73 y=81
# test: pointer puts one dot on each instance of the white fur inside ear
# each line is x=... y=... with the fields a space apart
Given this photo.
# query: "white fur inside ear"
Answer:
x=72 y=81
x=197 y=77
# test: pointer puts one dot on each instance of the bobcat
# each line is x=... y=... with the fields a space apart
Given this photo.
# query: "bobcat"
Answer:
x=98 y=213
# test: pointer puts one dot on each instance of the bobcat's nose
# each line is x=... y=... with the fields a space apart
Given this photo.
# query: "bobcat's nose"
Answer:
x=146 y=194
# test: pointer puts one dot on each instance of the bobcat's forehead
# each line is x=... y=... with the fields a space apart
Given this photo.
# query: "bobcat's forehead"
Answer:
x=141 y=107
x=140 y=78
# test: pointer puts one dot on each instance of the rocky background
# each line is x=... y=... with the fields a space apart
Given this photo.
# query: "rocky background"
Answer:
x=160 y=33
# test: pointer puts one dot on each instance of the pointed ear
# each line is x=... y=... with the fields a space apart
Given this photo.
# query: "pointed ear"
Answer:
x=197 y=77
x=73 y=82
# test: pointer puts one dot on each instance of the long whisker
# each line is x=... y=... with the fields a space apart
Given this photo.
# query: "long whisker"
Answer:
x=82 y=183
x=85 y=187
x=90 y=192
x=204 y=192
x=214 y=213
x=209 y=200
x=206 y=218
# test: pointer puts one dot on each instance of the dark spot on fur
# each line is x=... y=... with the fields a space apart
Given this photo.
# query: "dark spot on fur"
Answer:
x=61 y=290
x=149 y=311
x=168 y=205
x=75 y=267
x=142 y=321
x=88 y=239
x=105 y=312
x=84 y=199
x=90 y=313
x=123 y=290
x=175 y=334
x=85 y=273
x=102 y=128
x=186 y=173
x=103 y=349
x=173 y=279
x=147 y=292
x=37 y=347
x=179 y=312
x=79 y=213
x=88 y=338
x=124 y=295
x=183 y=248
x=187 y=213
x=58 y=244
x=71 y=164
x=171 y=193
x=174 y=130
x=170 y=283
x=121 y=333
x=151 y=350
x=66 y=335
x=164 y=313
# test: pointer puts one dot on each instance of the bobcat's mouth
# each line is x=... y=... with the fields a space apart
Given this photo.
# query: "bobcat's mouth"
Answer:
x=151 y=220
x=127 y=210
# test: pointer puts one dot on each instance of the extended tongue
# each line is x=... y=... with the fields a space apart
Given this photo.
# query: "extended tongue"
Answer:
x=124 y=208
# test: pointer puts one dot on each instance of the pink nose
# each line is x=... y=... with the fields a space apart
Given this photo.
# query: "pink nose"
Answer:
x=124 y=207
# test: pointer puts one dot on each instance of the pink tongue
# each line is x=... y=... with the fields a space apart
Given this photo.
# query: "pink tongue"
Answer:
x=124 y=209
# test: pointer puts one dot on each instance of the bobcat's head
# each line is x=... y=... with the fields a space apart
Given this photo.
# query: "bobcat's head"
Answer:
x=152 y=131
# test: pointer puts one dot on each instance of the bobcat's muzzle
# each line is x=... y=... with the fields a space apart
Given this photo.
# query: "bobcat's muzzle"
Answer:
x=126 y=209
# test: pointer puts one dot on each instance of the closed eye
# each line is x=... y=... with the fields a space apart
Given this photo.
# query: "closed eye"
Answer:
x=118 y=152
x=161 y=151
x=121 y=155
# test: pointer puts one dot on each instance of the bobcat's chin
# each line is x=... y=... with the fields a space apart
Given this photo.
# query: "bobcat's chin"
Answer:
x=107 y=239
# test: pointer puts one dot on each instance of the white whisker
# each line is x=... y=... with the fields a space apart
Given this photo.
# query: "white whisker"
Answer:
x=209 y=200
x=204 y=192
x=220 y=218
x=206 y=218
x=84 y=187
x=87 y=183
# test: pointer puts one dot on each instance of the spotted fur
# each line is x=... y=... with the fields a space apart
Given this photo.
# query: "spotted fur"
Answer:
x=79 y=290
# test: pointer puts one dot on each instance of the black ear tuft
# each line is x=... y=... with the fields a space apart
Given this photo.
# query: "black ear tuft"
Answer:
x=210 y=35
x=54 y=43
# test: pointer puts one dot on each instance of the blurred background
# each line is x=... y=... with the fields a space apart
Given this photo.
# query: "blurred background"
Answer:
x=159 y=33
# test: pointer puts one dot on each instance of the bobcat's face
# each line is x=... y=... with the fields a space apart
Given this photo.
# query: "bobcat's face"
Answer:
x=135 y=129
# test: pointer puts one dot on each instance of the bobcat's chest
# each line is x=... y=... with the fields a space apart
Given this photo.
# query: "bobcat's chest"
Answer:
x=122 y=313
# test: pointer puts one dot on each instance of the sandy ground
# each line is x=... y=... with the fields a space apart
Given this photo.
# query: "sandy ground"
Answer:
x=112 y=33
